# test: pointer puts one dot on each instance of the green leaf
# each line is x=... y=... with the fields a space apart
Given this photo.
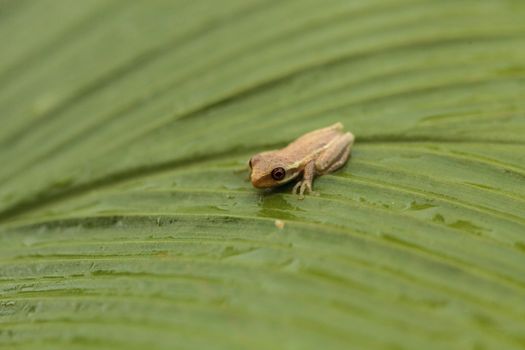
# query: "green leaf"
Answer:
x=127 y=220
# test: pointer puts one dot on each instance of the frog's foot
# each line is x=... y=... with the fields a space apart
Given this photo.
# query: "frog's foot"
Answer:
x=301 y=187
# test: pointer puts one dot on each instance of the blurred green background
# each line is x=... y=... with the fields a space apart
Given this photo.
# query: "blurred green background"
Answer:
x=126 y=217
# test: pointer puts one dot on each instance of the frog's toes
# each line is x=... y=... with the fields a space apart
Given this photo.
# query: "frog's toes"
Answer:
x=296 y=187
x=301 y=188
x=305 y=187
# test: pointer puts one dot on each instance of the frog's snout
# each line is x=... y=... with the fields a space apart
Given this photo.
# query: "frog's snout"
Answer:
x=260 y=181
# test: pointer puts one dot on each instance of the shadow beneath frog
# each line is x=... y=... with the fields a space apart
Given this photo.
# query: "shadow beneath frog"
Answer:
x=278 y=202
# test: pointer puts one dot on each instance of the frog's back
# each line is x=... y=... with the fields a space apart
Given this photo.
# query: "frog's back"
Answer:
x=313 y=142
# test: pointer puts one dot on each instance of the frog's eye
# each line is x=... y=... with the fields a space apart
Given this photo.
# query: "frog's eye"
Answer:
x=278 y=173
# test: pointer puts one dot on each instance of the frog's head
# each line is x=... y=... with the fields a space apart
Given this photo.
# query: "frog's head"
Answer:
x=268 y=169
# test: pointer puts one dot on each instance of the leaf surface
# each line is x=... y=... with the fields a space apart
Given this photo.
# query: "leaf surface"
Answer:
x=127 y=220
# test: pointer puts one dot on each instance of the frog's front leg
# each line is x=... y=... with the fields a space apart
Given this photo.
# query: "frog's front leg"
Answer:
x=305 y=185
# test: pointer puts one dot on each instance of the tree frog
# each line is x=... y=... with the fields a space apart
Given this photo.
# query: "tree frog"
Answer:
x=316 y=153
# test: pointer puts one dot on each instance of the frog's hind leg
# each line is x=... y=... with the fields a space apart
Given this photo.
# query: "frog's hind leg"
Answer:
x=336 y=155
x=339 y=163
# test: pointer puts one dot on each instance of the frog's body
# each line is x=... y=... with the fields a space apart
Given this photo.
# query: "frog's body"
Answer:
x=316 y=153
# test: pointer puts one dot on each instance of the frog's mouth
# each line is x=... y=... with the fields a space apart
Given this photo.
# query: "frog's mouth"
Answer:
x=262 y=182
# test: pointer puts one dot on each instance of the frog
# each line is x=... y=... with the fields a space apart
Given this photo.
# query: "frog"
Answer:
x=313 y=154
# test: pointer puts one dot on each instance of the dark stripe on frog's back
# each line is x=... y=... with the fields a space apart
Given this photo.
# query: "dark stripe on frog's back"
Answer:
x=304 y=146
